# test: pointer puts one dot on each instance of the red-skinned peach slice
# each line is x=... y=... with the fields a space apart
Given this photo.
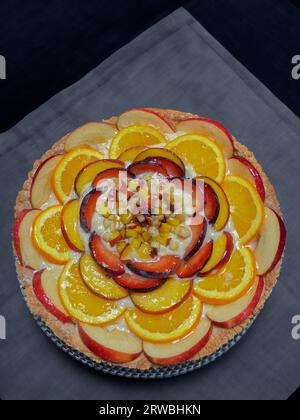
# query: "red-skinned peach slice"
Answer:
x=109 y=174
x=211 y=204
x=70 y=223
x=198 y=236
x=143 y=167
x=240 y=166
x=173 y=170
x=158 y=152
x=271 y=242
x=212 y=129
x=232 y=314
x=196 y=262
x=224 y=210
x=138 y=283
x=222 y=250
x=44 y=284
x=180 y=350
x=116 y=346
x=89 y=173
x=144 y=116
x=41 y=188
x=26 y=253
x=90 y=134
x=105 y=258
x=161 y=268
x=87 y=209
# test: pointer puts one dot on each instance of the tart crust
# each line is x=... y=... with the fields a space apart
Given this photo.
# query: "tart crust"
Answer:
x=68 y=332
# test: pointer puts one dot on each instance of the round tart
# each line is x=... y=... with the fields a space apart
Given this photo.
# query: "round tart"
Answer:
x=148 y=239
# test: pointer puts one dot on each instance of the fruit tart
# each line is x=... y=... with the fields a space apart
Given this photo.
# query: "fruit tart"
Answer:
x=148 y=239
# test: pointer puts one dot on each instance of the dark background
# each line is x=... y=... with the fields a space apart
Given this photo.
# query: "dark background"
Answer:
x=50 y=45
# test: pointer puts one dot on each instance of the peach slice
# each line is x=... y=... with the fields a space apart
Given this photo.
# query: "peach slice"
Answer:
x=41 y=188
x=161 y=328
x=81 y=303
x=180 y=350
x=116 y=346
x=137 y=283
x=192 y=266
x=88 y=174
x=240 y=166
x=224 y=210
x=234 y=313
x=70 y=224
x=158 y=152
x=44 y=284
x=271 y=242
x=163 y=299
x=90 y=134
x=105 y=258
x=211 y=128
x=221 y=253
x=98 y=281
x=130 y=154
x=161 y=268
x=146 y=117
x=26 y=253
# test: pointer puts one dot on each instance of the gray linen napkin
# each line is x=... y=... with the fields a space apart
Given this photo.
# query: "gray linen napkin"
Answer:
x=174 y=64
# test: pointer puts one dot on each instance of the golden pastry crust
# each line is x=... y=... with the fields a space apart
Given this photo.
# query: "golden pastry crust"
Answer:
x=68 y=332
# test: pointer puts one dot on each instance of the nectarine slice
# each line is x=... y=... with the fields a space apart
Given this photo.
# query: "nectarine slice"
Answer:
x=114 y=345
x=271 y=242
x=106 y=259
x=231 y=282
x=161 y=268
x=70 y=224
x=213 y=129
x=87 y=175
x=137 y=283
x=41 y=188
x=90 y=134
x=98 y=281
x=146 y=117
x=48 y=238
x=26 y=253
x=180 y=350
x=234 y=313
x=158 y=152
x=163 y=299
x=161 y=328
x=44 y=284
x=192 y=266
x=221 y=253
x=136 y=135
x=68 y=168
x=81 y=303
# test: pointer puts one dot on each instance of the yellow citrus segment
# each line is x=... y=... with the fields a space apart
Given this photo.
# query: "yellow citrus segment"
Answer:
x=163 y=299
x=246 y=207
x=69 y=167
x=231 y=282
x=202 y=154
x=70 y=225
x=160 y=328
x=130 y=154
x=47 y=236
x=98 y=281
x=134 y=136
x=81 y=303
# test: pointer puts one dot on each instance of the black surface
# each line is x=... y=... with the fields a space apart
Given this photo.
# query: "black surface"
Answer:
x=48 y=46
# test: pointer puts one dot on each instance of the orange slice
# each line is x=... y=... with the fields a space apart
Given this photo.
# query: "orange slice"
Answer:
x=129 y=155
x=70 y=225
x=161 y=328
x=246 y=206
x=98 y=281
x=202 y=154
x=163 y=299
x=47 y=236
x=81 y=303
x=69 y=167
x=231 y=282
x=135 y=135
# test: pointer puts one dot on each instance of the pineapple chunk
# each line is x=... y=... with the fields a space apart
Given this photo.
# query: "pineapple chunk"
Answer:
x=144 y=251
x=165 y=228
x=121 y=246
x=174 y=221
x=126 y=218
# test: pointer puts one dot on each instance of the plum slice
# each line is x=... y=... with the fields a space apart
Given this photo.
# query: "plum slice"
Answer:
x=142 y=167
x=105 y=258
x=196 y=262
x=211 y=204
x=160 y=268
x=198 y=236
x=87 y=209
x=138 y=283
x=109 y=174
x=171 y=167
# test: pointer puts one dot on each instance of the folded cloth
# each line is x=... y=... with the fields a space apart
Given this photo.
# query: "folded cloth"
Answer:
x=175 y=64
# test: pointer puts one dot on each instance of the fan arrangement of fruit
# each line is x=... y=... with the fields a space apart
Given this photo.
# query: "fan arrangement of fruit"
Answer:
x=147 y=288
